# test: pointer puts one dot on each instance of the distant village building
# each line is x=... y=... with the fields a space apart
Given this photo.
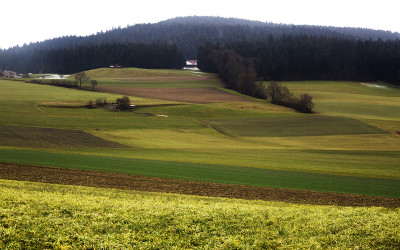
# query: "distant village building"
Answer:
x=116 y=66
x=8 y=73
x=191 y=64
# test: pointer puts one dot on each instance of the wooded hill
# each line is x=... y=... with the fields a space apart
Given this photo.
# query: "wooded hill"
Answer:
x=184 y=34
x=86 y=57
x=310 y=58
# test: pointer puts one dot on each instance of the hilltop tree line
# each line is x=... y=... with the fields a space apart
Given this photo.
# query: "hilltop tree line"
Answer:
x=188 y=33
x=310 y=58
x=81 y=58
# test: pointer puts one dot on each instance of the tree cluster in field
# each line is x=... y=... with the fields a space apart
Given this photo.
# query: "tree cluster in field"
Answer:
x=281 y=95
x=100 y=103
x=239 y=74
x=314 y=58
x=81 y=58
x=121 y=104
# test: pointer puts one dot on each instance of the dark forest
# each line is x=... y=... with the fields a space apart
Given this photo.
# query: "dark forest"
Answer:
x=313 y=58
x=277 y=51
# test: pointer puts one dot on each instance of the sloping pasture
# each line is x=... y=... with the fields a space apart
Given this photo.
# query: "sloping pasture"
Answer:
x=337 y=151
x=378 y=103
x=140 y=74
x=187 y=95
x=269 y=138
x=304 y=125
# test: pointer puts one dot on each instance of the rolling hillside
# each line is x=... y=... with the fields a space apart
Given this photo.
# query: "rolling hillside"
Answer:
x=73 y=177
x=247 y=139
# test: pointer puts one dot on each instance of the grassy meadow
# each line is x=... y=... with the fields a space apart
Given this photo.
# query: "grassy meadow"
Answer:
x=374 y=103
x=263 y=137
x=43 y=216
x=349 y=146
x=128 y=73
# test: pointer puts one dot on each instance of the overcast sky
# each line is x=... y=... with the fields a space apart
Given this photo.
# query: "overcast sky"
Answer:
x=25 y=21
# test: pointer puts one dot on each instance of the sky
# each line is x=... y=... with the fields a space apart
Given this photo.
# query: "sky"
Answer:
x=26 y=21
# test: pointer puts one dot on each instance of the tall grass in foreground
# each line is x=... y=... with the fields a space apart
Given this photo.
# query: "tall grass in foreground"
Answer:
x=34 y=215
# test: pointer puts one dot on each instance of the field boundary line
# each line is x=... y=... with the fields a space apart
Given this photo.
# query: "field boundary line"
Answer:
x=75 y=177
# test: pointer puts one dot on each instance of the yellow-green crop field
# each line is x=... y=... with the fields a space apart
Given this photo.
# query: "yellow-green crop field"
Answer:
x=43 y=216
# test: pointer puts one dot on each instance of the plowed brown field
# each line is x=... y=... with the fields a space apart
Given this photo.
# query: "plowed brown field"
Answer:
x=190 y=95
x=120 y=181
x=49 y=137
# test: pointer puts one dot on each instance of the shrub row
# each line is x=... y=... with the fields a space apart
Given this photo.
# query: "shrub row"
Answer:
x=281 y=95
x=54 y=82
x=121 y=104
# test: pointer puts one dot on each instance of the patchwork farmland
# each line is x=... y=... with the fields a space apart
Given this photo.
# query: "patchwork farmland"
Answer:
x=346 y=154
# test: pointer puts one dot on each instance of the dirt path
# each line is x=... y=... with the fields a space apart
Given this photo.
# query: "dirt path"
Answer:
x=129 y=182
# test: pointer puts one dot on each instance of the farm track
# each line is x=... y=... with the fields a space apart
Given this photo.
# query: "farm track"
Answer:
x=129 y=182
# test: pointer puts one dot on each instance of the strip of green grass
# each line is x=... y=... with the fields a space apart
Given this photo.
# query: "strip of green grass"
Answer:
x=211 y=111
x=204 y=83
x=301 y=125
x=361 y=110
x=138 y=72
x=209 y=173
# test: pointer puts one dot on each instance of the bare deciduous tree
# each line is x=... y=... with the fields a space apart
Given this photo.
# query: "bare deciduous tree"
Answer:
x=94 y=83
x=81 y=77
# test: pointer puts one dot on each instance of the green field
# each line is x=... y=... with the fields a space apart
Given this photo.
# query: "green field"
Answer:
x=263 y=137
x=109 y=73
x=153 y=78
x=47 y=216
x=210 y=173
x=380 y=102
x=350 y=145
x=287 y=126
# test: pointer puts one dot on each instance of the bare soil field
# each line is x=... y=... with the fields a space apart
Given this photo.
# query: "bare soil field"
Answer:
x=189 y=95
x=129 y=182
x=21 y=136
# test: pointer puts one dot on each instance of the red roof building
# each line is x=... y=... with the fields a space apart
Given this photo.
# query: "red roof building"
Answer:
x=10 y=74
